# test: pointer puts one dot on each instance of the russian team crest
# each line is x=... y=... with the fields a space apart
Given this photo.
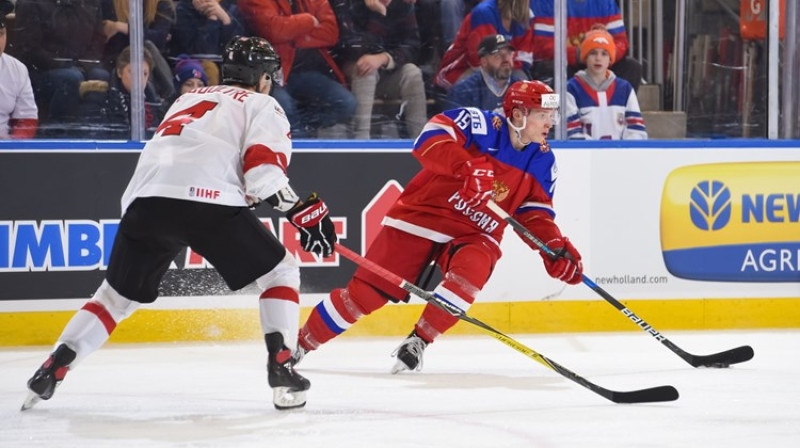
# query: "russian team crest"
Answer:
x=497 y=123
x=501 y=190
x=544 y=146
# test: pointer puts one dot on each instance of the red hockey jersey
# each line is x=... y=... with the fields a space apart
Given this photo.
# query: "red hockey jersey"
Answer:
x=524 y=180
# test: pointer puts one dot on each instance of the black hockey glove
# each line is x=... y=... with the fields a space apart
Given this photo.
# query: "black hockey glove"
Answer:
x=317 y=234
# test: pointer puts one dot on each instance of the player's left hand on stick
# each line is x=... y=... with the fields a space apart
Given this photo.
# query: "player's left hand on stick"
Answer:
x=566 y=265
x=317 y=234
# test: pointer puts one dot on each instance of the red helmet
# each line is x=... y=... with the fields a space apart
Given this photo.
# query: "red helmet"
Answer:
x=529 y=95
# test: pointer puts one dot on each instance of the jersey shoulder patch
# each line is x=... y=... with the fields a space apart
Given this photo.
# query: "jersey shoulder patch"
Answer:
x=469 y=120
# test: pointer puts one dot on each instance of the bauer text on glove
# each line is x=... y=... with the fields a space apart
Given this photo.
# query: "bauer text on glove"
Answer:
x=317 y=234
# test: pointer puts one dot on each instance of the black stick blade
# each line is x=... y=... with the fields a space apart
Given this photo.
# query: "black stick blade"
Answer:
x=724 y=359
x=652 y=395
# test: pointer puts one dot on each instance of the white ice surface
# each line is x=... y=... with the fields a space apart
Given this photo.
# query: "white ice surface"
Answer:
x=473 y=392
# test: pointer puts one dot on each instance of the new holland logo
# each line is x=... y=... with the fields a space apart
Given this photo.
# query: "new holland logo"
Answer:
x=710 y=206
x=732 y=222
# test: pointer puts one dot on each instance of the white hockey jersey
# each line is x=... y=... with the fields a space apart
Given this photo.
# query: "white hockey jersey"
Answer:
x=217 y=144
x=609 y=111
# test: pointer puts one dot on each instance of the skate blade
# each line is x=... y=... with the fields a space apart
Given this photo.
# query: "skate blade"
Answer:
x=285 y=398
x=31 y=401
x=399 y=366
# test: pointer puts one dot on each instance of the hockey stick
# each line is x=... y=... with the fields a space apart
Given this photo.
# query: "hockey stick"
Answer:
x=655 y=394
x=721 y=359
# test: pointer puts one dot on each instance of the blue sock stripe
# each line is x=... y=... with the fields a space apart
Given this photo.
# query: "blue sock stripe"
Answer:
x=326 y=317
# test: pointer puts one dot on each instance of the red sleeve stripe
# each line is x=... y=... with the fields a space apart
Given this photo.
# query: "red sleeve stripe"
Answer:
x=24 y=128
x=589 y=91
x=102 y=313
x=444 y=122
x=261 y=155
x=281 y=293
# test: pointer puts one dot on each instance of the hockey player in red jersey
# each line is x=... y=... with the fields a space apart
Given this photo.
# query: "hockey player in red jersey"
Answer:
x=221 y=150
x=468 y=156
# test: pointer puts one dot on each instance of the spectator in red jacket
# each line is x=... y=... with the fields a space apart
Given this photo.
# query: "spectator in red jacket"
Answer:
x=315 y=93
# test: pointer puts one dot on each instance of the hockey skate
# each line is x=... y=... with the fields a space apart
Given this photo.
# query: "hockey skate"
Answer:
x=44 y=381
x=288 y=387
x=409 y=354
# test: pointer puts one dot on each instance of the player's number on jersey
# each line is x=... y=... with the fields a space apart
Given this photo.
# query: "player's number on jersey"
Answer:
x=462 y=120
x=175 y=123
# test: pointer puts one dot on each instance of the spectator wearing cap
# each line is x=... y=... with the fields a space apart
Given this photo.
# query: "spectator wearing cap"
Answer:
x=511 y=18
x=601 y=106
x=19 y=116
x=486 y=87
x=189 y=74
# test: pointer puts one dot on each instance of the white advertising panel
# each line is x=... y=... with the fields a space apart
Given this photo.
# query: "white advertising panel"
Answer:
x=669 y=223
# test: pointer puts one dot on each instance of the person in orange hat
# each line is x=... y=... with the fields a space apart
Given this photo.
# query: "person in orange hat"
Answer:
x=581 y=16
x=601 y=106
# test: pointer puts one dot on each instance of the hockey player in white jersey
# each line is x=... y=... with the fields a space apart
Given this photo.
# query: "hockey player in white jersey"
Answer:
x=220 y=150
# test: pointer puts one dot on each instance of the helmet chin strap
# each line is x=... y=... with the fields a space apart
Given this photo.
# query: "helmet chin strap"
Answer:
x=518 y=130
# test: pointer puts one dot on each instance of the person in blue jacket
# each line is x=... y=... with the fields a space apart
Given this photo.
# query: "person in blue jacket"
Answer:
x=486 y=87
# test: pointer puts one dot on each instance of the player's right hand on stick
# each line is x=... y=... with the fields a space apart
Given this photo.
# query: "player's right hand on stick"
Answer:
x=317 y=234
x=566 y=265
x=478 y=175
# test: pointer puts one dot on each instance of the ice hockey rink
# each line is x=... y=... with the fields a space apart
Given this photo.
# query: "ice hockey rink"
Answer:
x=473 y=392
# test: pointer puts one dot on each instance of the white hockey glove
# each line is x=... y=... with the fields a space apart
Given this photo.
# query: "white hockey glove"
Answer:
x=317 y=234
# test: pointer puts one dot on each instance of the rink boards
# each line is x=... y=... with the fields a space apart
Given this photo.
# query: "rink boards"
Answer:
x=689 y=235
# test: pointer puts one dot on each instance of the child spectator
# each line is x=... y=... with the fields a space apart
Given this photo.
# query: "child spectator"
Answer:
x=189 y=75
x=159 y=15
x=109 y=105
x=18 y=113
x=601 y=106
x=486 y=87
x=581 y=16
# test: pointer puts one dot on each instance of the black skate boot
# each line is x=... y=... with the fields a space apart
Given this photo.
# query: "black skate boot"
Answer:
x=43 y=383
x=288 y=387
x=409 y=353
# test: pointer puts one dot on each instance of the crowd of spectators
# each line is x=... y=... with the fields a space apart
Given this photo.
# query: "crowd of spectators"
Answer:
x=341 y=59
